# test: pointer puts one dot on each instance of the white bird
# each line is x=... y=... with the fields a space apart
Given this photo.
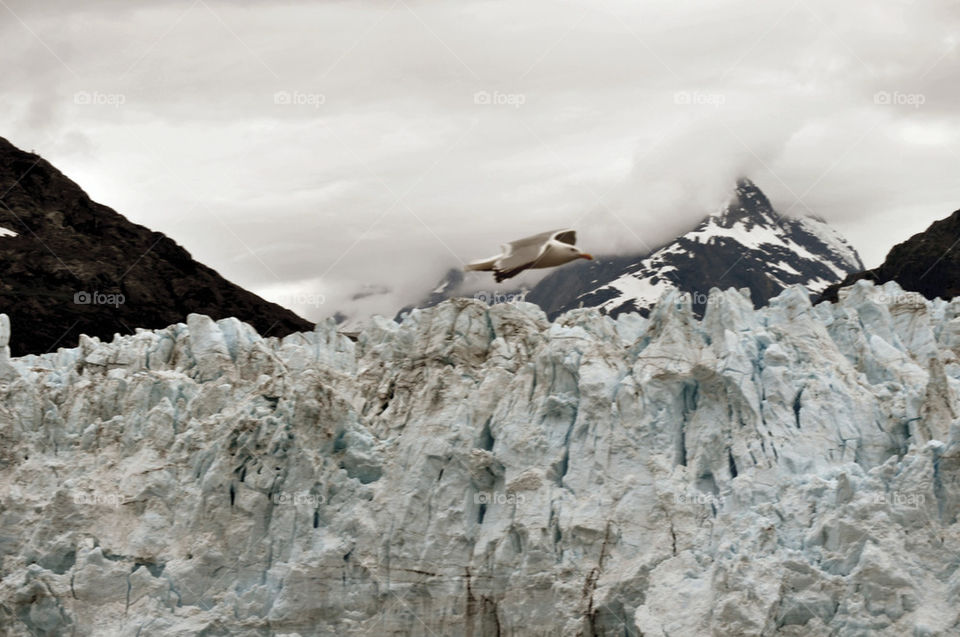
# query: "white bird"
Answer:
x=544 y=250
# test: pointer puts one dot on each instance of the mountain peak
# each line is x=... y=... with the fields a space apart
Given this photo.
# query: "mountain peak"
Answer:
x=748 y=205
x=745 y=245
x=745 y=184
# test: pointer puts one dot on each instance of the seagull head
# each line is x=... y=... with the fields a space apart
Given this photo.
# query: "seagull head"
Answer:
x=572 y=252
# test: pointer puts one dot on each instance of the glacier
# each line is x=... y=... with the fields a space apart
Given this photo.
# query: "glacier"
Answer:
x=478 y=471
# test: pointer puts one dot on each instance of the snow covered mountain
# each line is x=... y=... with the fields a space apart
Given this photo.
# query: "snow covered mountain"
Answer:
x=747 y=244
x=477 y=470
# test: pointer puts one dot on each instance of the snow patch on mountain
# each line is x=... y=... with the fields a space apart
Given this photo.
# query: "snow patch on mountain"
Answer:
x=641 y=291
x=746 y=241
x=760 y=238
x=831 y=238
x=7 y=233
x=478 y=470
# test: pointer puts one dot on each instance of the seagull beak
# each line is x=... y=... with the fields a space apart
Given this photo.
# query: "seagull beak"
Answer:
x=586 y=255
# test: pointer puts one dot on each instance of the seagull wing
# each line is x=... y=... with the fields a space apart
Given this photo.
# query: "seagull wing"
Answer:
x=516 y=262
x=565 y=236
x=521 y=254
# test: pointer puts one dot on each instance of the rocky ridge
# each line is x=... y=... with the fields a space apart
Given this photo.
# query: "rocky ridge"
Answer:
x=70 y=266
x=928 y=263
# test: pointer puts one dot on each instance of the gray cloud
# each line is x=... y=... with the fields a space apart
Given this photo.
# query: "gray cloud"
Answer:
x=308 y=149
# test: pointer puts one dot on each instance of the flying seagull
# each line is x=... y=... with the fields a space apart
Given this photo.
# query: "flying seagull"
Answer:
x=544 y=250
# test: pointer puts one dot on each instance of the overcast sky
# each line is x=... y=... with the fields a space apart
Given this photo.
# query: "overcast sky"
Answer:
x=311 y=151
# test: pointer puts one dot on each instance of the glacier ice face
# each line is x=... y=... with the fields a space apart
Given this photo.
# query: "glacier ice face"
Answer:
x=481 y=471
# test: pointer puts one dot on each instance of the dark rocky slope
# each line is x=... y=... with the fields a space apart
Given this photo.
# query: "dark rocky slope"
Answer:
x=928 y=263
x=56 y=244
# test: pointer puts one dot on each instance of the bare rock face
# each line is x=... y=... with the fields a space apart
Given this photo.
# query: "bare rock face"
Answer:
x=70 y=266
x=481 y=471
x=928 y=263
